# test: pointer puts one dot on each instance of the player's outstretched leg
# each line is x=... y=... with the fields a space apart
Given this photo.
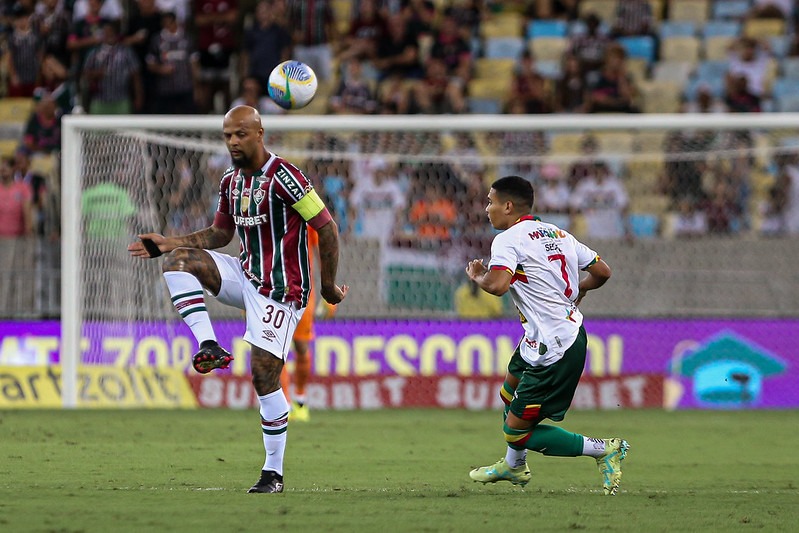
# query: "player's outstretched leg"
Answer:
x=502 y=471
x=610 y=464
x=270 y=482
x=210 y=357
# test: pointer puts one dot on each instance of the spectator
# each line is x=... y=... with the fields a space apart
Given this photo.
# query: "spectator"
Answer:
x=393 y=96
x=398 y=51
x=790 y=186
x=570 y=87
x=438 y=92
x=633 y=18
x=113 y=75
x=252 y=94
x=613 y=91
x=467 y=15
x=528 y=86
x=689 y=221
x=367 y=29
x=603 y=202
x=772 y=9
x=143 y=26
x=472 y=302
x=583 y=166
x=36 y=182
x=354 y=95
x=421 y=16
x=589 y=47
x=773 y=207
x=739 y=99
x=750 y=58
x=217 y=40
x=52 y=24
x=16 y=203
x=25 y=48
x=86 y=33
x=377 y=204
x=705 y=102
x=314 y=32
x=174 y=62
x=43 y=129
x=109 y=10
x=552 y=196
x=683 y=168
x=266 y=44
x=452 y=49
x=721 y=209
x=554 y=9
x=433 y=217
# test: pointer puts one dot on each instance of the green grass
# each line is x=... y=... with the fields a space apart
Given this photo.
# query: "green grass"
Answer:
x=388 y=471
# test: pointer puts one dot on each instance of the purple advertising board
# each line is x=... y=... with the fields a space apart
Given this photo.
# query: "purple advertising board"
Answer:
x=706 y=363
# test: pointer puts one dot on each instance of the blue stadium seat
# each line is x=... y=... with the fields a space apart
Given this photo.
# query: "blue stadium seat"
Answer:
x=488 y=106
x=716 y=86
x=548 y=69
x=784 y=87
x=790 y=68
x=780 y=45
x=547 y=28
x=641 y=47
x=788 y=103
x=644 y=225
x=730 y=9
x=721 y=28
x=709 y=70
x=510 y=47
x=676 y=28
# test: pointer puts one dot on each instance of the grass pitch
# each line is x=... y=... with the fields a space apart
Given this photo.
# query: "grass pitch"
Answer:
x=386 y=471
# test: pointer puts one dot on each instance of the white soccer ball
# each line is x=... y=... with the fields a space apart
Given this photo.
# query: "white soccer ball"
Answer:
x=292 y=84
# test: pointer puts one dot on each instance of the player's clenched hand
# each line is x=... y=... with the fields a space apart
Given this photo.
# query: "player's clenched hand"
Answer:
x=334 y=294
x=149 y=245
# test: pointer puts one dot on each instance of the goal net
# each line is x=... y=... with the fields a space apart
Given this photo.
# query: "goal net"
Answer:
x=679 y=205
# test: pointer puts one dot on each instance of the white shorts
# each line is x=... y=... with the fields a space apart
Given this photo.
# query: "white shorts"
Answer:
x=270 y=324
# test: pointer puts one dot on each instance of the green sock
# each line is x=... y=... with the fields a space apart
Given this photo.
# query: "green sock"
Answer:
x=552 y=440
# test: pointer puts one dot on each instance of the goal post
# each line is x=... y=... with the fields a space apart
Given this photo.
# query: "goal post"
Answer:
x=165 y=167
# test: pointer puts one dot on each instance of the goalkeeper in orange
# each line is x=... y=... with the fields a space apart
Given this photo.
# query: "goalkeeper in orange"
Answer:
x=301 y=340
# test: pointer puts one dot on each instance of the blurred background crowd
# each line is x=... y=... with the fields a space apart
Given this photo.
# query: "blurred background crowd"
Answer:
x=425 y=57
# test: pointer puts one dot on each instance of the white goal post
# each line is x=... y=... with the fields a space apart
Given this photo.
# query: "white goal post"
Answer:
x=84 y=144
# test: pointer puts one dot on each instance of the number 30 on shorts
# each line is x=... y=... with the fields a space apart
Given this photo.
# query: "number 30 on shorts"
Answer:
x=274 y=318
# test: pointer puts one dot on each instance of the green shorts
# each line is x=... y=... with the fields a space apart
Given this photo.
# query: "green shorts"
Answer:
x=547 y=391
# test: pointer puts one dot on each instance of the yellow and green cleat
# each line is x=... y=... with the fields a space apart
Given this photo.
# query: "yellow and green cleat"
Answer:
x=299 y=413
x=501 y=471
x=610 y=464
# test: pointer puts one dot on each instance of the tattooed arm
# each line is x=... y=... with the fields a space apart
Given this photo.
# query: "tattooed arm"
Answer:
x=209 y=238
x=328 y=258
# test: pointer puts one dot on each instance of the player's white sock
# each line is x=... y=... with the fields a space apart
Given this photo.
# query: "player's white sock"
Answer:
x=274 y=423
x=515 y=458
x=187 y=297
x=299 y=398
x=593 y=447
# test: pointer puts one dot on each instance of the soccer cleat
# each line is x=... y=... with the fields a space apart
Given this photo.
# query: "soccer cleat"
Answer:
x=500 y=471
x=210 y=356
x=299 y=413
x=610 y=464
x=270 y=482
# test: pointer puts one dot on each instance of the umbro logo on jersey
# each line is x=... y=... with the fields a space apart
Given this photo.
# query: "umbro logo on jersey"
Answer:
x=268 y=334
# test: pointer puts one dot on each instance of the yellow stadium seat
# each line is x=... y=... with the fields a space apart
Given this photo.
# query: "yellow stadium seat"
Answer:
x=615 y=142
x=8 y=147
x=548 y=48
x=689 y=10
x=657 y=9
x=503 y=25
x=717 y=48
x=489 y=88
x=654 y=203
x=644 y=169
x=15 y=110
x=763 y=28
x=486 y=67
x=604 y=9
x=651 y=143
x=637 y=67
x=680 y=49
x=342 y=10
x=660 y=96
x=566 y=143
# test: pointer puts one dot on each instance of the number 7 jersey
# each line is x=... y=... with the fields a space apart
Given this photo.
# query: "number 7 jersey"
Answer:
x=545 y=262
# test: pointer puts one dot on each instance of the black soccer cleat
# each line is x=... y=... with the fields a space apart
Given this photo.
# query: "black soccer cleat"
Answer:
x=270 y=482
x=210 y=357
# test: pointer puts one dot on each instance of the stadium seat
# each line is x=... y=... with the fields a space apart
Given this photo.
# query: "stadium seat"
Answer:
x=721 y=28
x=644 y=225
x=660 y=96
x=488 y=106
x=342 y=10
x=15 y=110
x=673 y=70
x=780 y=45
x=489 y=89
x=709 y=70
x=764 y=28
x=548 y=48
x=716 y=86
x=490 y=67
x=784 y=88
x=717 y=48
x=504 y=47
x=657 y=9
x=680 y=49
x=8 y=147
x=730 y=9
x=604 y=9
x=566 y=143
x=547 y=28
x=502 y=25
x=689 y=10
x=676 y=28
x=550 y=69
x=638 y=69
x=615 y=142
x=654 y=203
x=642 y=47
x=790 y=68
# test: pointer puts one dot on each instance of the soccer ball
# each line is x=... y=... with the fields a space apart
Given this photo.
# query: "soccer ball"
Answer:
x=292 y=84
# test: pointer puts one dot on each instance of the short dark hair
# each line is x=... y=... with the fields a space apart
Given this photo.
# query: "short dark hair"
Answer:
x=517 y=189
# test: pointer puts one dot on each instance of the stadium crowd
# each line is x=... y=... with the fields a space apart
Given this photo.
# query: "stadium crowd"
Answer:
x=431 y=57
